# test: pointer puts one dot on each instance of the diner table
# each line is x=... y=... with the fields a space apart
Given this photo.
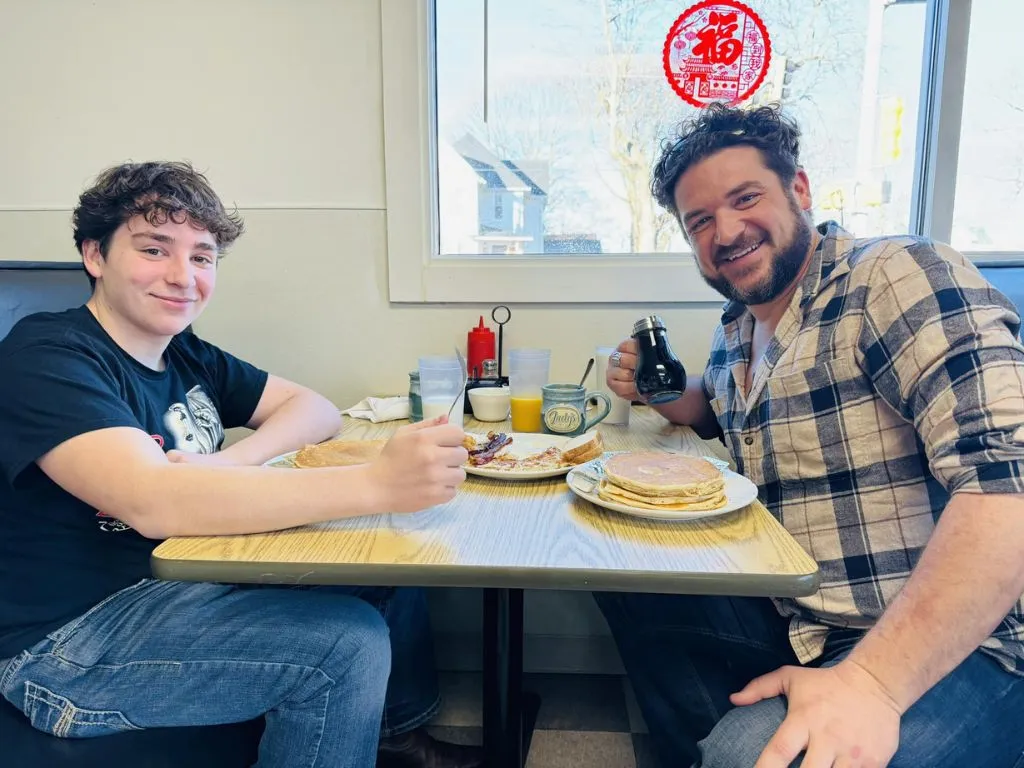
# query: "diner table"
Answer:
x=509 y=535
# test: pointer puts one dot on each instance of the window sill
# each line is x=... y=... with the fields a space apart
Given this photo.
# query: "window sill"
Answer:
x=557 y=280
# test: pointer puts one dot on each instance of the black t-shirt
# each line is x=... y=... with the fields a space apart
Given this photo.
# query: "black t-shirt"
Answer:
x=61 y=375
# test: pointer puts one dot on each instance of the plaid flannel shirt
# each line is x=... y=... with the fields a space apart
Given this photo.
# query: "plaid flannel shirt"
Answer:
x=894 y=380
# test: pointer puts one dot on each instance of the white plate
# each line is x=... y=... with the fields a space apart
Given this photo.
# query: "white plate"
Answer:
x=523 y=444
x=739 y=492
x=284 y=460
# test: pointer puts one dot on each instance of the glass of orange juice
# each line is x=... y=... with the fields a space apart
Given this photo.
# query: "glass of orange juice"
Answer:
x=527 y=375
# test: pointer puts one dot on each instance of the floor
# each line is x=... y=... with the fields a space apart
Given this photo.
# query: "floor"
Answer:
x=584 y=720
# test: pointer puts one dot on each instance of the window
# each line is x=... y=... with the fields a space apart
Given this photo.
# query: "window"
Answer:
x=989 y=205
x=559 y=108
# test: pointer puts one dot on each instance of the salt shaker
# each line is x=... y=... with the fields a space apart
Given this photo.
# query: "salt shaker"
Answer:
x=415 y=401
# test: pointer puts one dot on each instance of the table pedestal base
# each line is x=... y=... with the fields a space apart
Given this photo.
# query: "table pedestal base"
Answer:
x=509 y=713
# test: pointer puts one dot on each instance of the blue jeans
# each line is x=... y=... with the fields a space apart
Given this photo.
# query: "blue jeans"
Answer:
x=413 y=696
x=685 y=654
x=316 y=661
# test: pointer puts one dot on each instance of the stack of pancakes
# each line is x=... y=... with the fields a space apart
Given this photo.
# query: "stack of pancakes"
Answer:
x=666 y=481
x=338 y=453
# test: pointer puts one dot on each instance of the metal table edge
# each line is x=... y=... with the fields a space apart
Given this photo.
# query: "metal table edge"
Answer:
x=741 y=585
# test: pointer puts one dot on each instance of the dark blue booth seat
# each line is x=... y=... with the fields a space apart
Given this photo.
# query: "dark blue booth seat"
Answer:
x=222 y=746
x=51 y=287
x=1008 y=277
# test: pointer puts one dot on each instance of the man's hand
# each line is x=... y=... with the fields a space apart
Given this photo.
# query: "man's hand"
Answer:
x=420 y=466
x=620 y=377
x=692 y=409
x=841 y=716
x=218 y=459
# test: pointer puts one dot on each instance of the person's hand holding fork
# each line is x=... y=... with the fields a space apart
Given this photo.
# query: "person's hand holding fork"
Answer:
x=421 y=466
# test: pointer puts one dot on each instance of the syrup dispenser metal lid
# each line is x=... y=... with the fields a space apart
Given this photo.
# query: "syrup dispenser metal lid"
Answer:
x=649 y=323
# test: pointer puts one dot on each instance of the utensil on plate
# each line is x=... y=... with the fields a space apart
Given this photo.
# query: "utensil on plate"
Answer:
x=715 y=461
x=585 y=481
x=588 y=476
x=465 y=381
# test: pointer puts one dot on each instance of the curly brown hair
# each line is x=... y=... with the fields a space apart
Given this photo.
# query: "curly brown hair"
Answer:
x=158 y=191
x=718 y=127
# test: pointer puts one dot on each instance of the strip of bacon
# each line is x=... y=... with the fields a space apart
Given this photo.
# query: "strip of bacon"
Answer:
x=495 y=442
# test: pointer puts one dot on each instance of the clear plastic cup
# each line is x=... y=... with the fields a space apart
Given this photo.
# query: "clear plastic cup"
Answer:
x=440 y=384
x=619 y=413
x=528 y=371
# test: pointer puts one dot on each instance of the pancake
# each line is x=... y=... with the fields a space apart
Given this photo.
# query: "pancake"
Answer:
x=665 y=475
x=339 y=453
x=628 y=496
x=609 y=492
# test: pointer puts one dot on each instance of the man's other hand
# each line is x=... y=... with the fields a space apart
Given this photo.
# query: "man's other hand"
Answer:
x=841 y=716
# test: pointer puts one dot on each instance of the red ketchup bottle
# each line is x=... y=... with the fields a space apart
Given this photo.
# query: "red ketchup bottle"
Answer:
x=479 y=347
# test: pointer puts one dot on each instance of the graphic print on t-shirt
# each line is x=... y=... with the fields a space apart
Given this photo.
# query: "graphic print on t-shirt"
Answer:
x=195 y=424
x=196 y=427
x=111 y=524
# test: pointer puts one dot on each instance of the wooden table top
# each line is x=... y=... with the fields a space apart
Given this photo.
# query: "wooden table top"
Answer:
x=513 y=533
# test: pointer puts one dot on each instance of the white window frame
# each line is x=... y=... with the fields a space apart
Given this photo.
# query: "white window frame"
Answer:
x=417 y=274
x=415 y=271
x=940 y=118
x=940 y=121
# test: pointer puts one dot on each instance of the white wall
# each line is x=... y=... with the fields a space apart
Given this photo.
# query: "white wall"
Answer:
x=280 y=104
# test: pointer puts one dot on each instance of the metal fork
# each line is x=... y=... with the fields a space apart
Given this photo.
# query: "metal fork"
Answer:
x=465 y=382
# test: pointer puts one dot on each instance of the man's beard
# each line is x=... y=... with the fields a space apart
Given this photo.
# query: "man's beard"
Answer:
x=784 y=268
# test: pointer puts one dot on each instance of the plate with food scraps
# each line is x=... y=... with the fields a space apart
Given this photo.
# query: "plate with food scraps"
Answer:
x=739 y=492
x=337 y=452
x=528 y=455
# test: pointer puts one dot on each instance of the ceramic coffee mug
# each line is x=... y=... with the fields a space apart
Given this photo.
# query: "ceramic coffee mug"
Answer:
x=564 y=409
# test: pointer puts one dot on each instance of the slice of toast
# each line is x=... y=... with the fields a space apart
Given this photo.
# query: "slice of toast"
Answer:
x=582 y=448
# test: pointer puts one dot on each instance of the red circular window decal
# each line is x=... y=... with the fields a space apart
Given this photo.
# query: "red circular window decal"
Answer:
x=717 y=50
